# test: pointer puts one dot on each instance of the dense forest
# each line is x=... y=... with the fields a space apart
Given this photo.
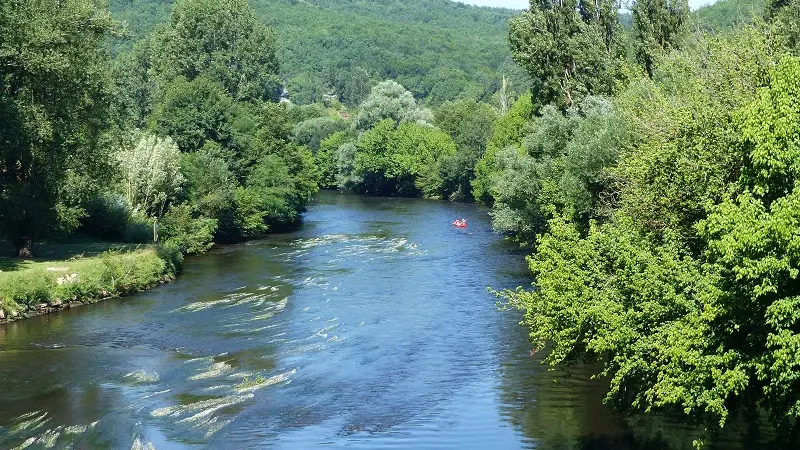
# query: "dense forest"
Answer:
x=344 y=47
x=650 y=164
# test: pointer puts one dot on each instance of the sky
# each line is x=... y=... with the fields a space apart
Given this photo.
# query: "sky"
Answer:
x=523 y=4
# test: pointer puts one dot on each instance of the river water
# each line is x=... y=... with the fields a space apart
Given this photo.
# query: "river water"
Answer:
x=370 y=327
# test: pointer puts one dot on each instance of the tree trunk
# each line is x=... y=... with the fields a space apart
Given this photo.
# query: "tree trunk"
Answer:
x=24 y=247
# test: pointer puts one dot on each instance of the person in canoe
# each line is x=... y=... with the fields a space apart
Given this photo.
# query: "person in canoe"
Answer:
x=460 y=223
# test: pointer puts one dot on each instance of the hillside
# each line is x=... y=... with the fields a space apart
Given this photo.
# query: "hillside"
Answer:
x=728 y=14
x=438 y=49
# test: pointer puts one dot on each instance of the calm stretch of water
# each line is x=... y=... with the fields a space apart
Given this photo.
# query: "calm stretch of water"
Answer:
x=371 y=327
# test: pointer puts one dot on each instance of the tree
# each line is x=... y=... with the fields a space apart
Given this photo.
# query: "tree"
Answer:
x=390 y=100
x=657 y=28
x=313 y=131
x=151 y=174
x=785 y=17
x=195 y=112
x=54 y=101
x=508 y=130
x=223 y=41
x=135 y=87
x=470 y=124
x=570 y=48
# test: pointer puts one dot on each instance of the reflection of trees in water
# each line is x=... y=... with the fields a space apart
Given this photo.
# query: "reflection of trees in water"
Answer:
x=563 y=410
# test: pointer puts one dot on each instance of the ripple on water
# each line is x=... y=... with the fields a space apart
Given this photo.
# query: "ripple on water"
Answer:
x=28 y=430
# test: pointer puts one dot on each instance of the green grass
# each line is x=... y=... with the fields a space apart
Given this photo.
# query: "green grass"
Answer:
x=83 y=271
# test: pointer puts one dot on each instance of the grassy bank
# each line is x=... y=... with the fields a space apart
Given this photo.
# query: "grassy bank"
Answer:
x=68 y=277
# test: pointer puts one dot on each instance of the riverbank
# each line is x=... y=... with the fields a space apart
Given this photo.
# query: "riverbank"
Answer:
x=34 y=287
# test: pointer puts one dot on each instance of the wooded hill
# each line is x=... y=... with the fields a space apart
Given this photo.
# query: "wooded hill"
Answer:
x=440 y=50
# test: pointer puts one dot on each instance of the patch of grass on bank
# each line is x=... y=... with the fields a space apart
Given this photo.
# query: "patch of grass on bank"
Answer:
x=28 y=285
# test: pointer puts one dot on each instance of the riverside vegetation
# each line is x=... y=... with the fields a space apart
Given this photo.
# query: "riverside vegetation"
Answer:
x=648 y=159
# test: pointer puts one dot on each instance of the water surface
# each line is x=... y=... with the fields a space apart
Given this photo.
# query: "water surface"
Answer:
x=370 y=327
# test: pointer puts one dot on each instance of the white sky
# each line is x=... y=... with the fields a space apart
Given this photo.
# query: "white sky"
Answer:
x=523 y=4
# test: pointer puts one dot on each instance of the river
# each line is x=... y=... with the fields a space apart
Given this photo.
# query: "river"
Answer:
x=370 y=327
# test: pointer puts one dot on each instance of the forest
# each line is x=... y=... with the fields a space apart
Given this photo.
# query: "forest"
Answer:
x=650 y=163
x=345 y=47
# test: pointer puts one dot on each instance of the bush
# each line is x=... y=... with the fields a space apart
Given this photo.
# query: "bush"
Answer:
x=190 y=234
x=139 y=230
x=107 y=218
x=171 y=254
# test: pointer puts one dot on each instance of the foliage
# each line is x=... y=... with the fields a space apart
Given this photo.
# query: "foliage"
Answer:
x=685 y=290
x=657 y=28
x=221 y=40
x=107 y=217
x=561 y=170
x=313 y=131
x=326 y=158
x=397 y=160
x=346 y=46
x=508 y=131
x=54 y=101
x=727 y=15
x=470 y=124
x=785 y=17
x=569 y=48
x=390 y=100
x=195 y=112
x=151 y=174
x=189 y=233
x=211 y=188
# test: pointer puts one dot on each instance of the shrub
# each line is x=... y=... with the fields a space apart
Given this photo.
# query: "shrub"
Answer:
x=107 y=217
x=190 y=234
x=139 y=230
x=171 y=254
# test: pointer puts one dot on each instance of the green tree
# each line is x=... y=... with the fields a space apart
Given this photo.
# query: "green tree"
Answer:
x=470 y=124
x=658 y=26
x=508 y=131
x=390 y=100
x=151 y=176
x=313 y=131
x=223 y=41
x=194 y=112
x=135 y=87
x=570 y=48
x=54 y=101
x=326 y=158
x=785 y=17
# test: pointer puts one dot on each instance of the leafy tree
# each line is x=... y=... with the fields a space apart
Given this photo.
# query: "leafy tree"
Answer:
x=223 y=41
x=151 y=174
x=271 y=147
x=728 y=15
x=54 y=101
x=570 y=48
x=785 y=15
x=211 y=188
x=562 y=170
x=686 y=292
x=470 y=124
x=390 y=100
x=313 y=131
x=657 y=27
x=195 y=112
x=135 y=87
x=326 y=158
x=191 y=234
x=508 y=130
x=346 y=46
